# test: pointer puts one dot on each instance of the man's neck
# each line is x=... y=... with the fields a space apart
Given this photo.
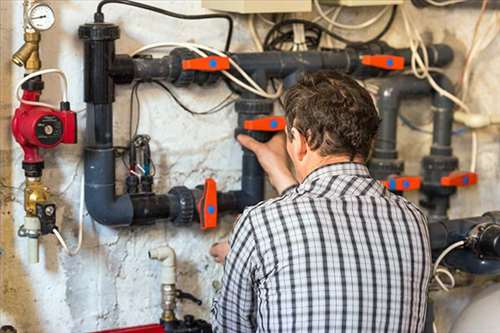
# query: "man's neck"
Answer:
x=333 y=159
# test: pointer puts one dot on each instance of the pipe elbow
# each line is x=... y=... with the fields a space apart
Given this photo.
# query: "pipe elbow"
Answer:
x=166 y=256
x=107 y=210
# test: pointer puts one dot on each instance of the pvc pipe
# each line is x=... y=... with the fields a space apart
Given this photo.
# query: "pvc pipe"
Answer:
x=166 y=255
x=32 y=226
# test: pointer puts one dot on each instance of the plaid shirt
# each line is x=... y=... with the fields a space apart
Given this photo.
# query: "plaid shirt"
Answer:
x=337 y=253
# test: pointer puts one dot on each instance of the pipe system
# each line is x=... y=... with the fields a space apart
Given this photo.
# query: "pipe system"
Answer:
x=103 y=69
x=440 y=162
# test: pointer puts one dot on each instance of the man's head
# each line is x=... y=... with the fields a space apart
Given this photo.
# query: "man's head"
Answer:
x=330 y=118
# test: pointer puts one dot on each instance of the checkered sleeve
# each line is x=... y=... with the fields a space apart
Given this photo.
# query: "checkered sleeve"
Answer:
x=234 y=306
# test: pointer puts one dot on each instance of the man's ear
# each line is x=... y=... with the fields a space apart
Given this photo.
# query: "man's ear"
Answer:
x=299 y=144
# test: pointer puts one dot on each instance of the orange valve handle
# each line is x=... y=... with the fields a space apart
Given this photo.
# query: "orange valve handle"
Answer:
x=404 y=183
x=389 y=62
x=460 y=179
x=206 y=64
x=266 y=124
x=207 y=206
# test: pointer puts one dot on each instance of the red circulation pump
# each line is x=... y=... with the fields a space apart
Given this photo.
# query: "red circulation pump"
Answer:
x=41 y=127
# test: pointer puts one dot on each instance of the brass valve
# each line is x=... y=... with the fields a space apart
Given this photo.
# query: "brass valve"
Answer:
x=28 y=54
x=35 y=192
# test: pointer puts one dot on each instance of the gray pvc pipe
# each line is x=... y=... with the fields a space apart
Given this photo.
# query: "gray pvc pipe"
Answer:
x=102 y=204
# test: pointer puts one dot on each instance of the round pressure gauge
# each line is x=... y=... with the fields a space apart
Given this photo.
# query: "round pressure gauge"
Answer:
x=41 y=16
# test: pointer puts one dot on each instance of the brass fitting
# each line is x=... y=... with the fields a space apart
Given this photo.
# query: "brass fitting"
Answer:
x=35 y=192
x=28 y=54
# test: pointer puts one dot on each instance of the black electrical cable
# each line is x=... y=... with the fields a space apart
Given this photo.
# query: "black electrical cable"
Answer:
x=309 y=24
x=100 y=18
x=217 y=108
x=135 y=93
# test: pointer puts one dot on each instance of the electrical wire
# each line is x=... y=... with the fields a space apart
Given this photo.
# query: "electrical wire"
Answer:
x=358 y=26
x=134 y=95
x=197 y=48
x=225 y=102
x=61 y=240
x=310 y=24
x=253 y=32
x=64 y=82
x=176 y=15
x=438 y=270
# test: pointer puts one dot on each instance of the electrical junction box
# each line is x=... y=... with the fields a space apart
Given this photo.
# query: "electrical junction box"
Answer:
x=357 y=3
x=258 y=6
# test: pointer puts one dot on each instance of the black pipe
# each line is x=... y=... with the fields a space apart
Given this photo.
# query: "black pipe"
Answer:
x=481 y=252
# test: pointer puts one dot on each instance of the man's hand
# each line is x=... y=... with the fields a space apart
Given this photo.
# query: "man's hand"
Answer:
x=219 y=251
x=273 y=158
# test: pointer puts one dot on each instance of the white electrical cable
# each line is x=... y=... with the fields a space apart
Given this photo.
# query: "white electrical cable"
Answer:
x=358 y=26
x=438 y=270
x=196 y=48
x=253 y=31
x=444 y=3
x=327 y=40
x=80 y=225
x=42 y=72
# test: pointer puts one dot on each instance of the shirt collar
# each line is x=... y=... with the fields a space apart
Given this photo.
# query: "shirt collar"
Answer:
x=338 y=169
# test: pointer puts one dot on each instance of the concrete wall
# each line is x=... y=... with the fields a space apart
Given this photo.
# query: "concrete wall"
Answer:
x=112 y=283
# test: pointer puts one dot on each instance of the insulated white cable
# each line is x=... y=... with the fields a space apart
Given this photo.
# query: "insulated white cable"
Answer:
x=438 y=270
x=253 y=31
x=42 y=72
x=327 y=40
x=444 y=3
x=358 y=26
x=74 y=252
x=196 y=48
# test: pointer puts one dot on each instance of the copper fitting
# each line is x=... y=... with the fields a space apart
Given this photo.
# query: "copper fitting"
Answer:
x=28 y=54
x=35 y=192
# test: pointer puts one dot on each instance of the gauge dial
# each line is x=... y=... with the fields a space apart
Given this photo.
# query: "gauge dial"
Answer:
x=41 y=17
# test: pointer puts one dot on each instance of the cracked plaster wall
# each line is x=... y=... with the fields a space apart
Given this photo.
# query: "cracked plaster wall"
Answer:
x=112 y=283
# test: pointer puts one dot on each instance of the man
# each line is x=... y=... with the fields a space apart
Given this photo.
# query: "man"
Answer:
x=336 y=252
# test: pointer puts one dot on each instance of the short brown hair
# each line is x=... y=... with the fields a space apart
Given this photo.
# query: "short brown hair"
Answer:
x=333 y=112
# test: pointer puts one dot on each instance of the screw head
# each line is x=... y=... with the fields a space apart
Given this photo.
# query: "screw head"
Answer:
x=49 y=210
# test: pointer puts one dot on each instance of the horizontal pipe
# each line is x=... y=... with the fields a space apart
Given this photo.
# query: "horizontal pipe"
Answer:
x=469 y=259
